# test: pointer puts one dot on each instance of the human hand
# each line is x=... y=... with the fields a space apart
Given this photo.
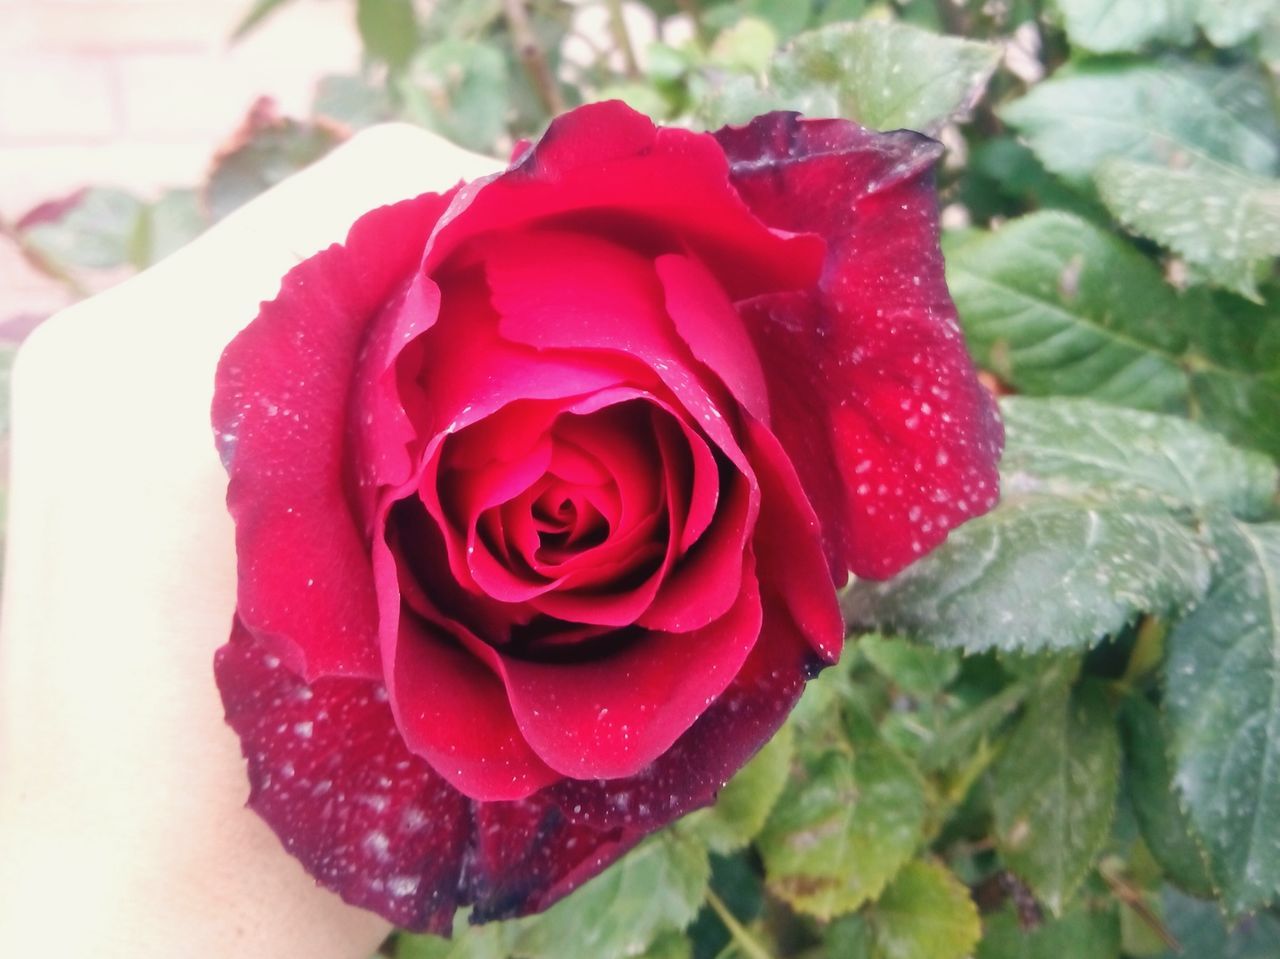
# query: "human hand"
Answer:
x=122 y=827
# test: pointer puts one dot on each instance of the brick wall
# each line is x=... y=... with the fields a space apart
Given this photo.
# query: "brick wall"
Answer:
x=138 y=94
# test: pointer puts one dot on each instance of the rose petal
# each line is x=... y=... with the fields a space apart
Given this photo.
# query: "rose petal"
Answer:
x=873 y=394
x=612 y=167
x=704 y=584
x=453 y=712
x=330 y=774
x=707 y=321
x=611 y=717
x=280 y=407
x=731 y=730
x=530 y=854
x=788 y=545
x=546 y=300
x=462 y=371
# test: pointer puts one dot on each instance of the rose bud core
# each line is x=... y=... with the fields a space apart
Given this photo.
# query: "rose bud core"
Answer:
x=543 y=488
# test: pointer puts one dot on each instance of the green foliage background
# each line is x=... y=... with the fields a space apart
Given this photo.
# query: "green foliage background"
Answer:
x=1058 y=735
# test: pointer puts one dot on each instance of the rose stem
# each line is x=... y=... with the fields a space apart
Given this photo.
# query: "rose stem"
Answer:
x=744 y=939
x=531 y=55
x=618 y=24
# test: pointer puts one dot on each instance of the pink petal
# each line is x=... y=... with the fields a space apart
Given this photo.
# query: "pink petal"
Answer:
x=873 y=394
x=279 y=412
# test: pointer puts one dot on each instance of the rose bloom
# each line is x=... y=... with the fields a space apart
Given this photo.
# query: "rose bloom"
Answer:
x=543 y=488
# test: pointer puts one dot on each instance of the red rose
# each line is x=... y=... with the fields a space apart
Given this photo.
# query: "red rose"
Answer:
x=542 y=489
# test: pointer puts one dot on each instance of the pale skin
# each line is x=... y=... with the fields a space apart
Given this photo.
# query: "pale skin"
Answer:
x=123 y=831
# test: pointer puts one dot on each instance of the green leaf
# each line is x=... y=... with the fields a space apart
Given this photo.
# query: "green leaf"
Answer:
x=884 y=74
x=1202 y=934
x=1235 y=369
x=669 y=945
x=656 y=889
x=259 y=12
x=389 y=30
x=461 y=19
x=744 y=804
x=747 y=46
x=1078 y=934
x=1116 y=26
x=1096 y=525
x=1165 y=827
x=1052 y=304
x=1165 y=113
x=1230 y=23
x=459 y=88
x=1223 y=703
x=1041 y=572
x=918 y=670
x=351 y=100
x=844 y=826
x=266 y=150
x=101 y=230
x=960 y=736
x=1054 y=790
x=1223 y=222
x=848 y=938
x=172 y=222
x=925 y=913
x=1077 y=445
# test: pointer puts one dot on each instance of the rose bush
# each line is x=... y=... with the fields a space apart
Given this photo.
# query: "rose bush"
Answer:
x=543 y=487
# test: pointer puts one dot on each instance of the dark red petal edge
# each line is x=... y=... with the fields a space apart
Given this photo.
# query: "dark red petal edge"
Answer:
x=872 y=392
x=331 y=776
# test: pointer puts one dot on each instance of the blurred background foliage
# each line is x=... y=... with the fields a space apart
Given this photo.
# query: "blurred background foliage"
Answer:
x=1058 y=736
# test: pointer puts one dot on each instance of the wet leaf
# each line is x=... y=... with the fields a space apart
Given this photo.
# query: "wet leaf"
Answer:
x=1114 y=26
x=1082 y=445
x=1097 y=524
x=1223 y=703
x=1054 y=305
x=1054 y=790
x=1166 y=113
x=1202 y=934
x=1222 y=221
x=1149 y=779
x=885 y=75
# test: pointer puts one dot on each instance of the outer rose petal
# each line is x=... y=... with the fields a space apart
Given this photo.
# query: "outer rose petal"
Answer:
x=453 y=710
x=873 y=394
x=371 y=821
x=330 y=774
x=279 y=412
x=604 y=158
